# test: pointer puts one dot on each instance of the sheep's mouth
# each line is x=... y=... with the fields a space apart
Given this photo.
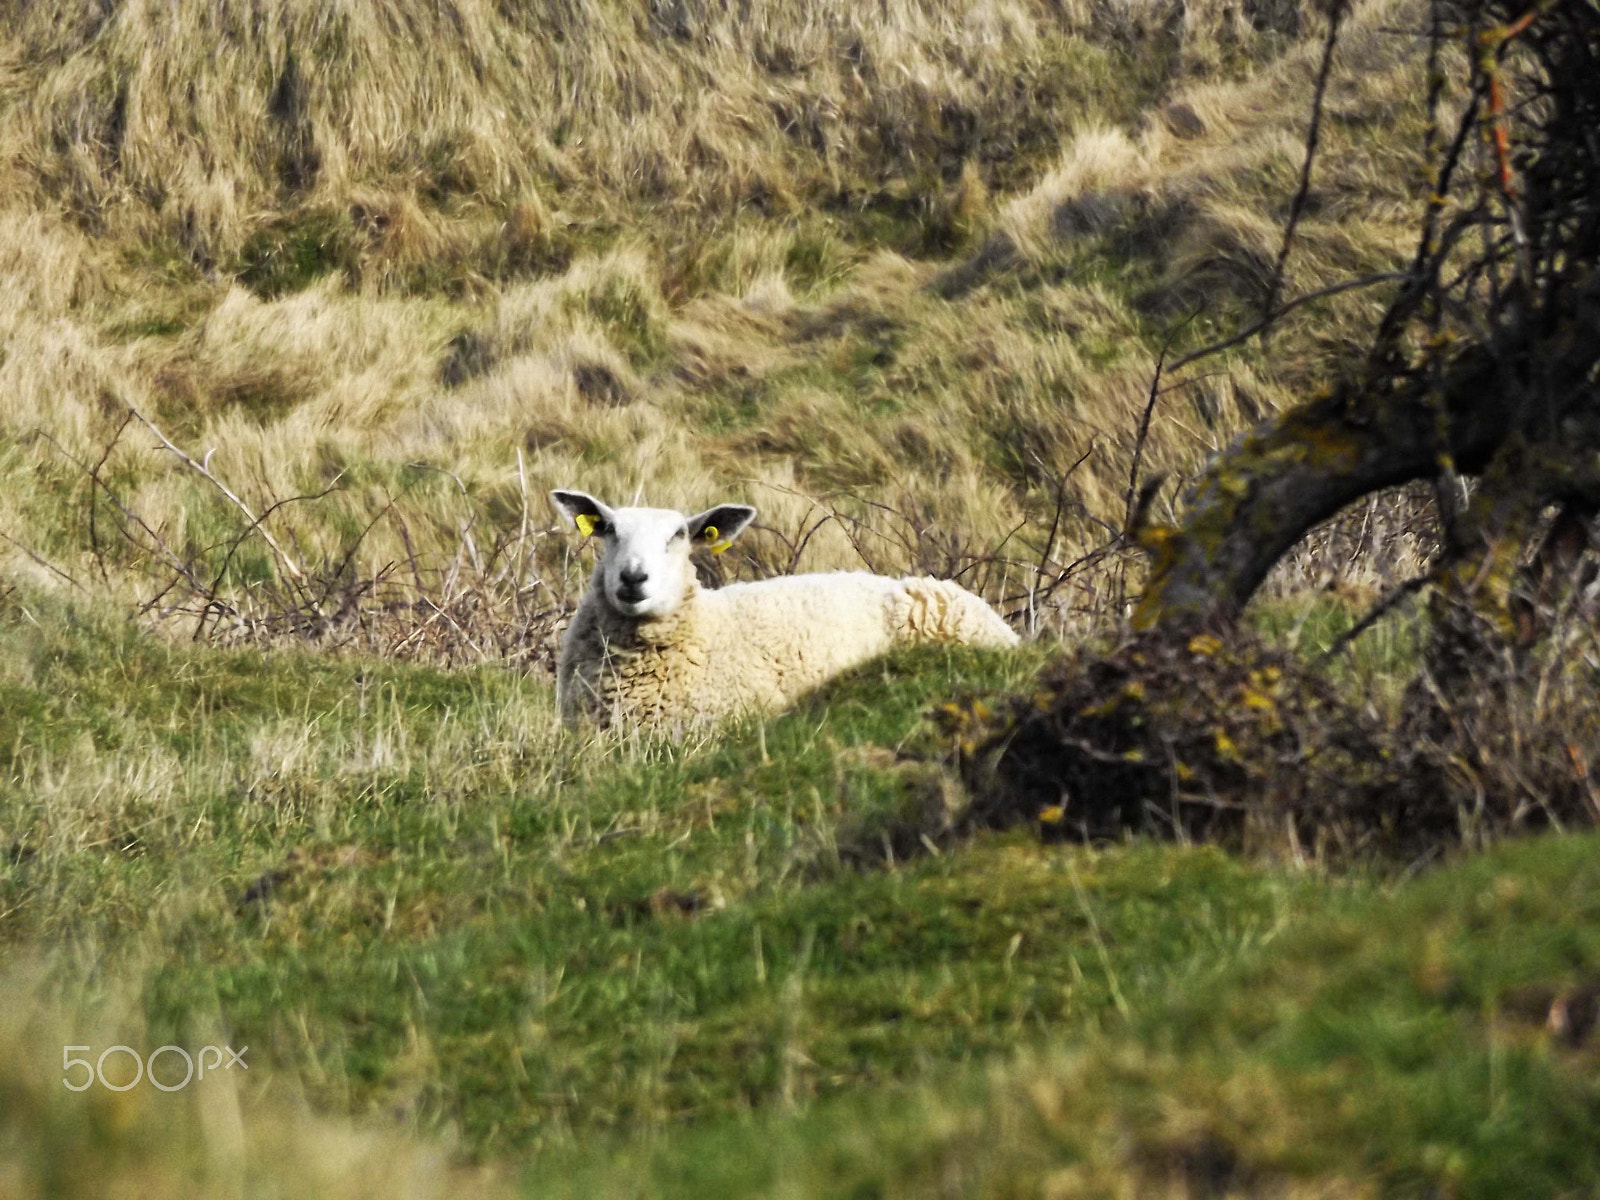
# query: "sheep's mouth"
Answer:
x=630 y=602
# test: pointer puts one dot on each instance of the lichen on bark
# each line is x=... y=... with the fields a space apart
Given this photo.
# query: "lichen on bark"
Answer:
x=1486 y=362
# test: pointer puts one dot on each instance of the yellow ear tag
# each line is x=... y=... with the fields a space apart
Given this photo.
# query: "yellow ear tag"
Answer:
x=585 y=524
x=710 y=535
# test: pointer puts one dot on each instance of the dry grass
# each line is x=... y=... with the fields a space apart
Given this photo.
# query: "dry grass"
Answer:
x=748 y=257
x=202 y=116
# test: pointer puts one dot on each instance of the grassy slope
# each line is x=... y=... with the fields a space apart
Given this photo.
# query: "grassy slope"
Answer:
x=520 y=912
x=1384 y=1041
x=572 y=949
x=457 y=314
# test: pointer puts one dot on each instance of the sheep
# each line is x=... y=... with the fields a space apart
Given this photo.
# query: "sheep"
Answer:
x=647 y=643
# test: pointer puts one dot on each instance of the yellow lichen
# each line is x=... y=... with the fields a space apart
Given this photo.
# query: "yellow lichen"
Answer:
x=1258 y=700
x=1104 y=709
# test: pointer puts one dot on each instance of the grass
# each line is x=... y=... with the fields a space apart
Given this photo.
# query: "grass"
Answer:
x=1376 y=1041
x=644 y=968
x=627 y=924
x=764 y=288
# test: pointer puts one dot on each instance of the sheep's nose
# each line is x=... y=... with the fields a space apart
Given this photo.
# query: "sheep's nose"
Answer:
x=633 y=578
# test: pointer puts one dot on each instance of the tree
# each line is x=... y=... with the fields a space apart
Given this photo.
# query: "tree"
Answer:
x=1484 y=365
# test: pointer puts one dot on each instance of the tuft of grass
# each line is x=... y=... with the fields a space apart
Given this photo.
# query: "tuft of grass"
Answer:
x=290 y=254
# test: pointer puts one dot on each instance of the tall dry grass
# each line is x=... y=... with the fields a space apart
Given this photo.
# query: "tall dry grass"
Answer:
x=204 y=115
x=646 y=252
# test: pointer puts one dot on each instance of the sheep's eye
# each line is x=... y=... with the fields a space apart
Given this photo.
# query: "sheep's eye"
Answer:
x=678 y=537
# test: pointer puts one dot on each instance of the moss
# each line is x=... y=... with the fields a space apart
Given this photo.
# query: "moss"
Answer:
x=1197 y=574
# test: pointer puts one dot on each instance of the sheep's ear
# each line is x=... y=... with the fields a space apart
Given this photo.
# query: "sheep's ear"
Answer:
x=717 y=527
x=584 y=511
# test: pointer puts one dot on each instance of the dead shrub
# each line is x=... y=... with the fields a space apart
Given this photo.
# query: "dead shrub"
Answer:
x=1190 y=737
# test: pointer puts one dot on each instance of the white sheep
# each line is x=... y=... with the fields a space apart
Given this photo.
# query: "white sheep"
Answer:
x=649 y=644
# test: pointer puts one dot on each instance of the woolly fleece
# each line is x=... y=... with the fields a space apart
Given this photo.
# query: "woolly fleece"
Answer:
x=754 y=645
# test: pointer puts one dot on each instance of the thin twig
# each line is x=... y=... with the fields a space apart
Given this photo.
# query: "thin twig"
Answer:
x=1430 y=254
x=801 y=548
x=43 y=562
x=160 y=546
x=1287 y=307
x=94 y=481
x=1055 y=521
x=1144 y=421
x=1313 y=135
x=1446 y=487
x=465 y=532
x=210 y=593
x=1138 y=441
x=202 y=470
x=1394 y=596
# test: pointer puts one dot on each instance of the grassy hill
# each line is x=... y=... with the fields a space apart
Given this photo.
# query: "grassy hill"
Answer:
x=609 y=968
x=279 y=762
x=894 y=271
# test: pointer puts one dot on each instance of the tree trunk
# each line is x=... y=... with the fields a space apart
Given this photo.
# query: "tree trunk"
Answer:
x=1295 y=470
x=1531 y=399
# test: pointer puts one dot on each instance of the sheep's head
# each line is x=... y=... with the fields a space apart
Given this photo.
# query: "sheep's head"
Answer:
x=644 y=570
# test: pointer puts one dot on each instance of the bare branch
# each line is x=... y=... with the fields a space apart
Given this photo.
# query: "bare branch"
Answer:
x=1244 y=335
x=1313 y=135
x=200 y=469
x=1376 y=613
x=43 y=562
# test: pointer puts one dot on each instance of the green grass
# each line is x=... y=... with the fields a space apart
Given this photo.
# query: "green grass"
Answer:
x=1378 y=1038
x=632 y=967
x=1376 y=665
x=473 y=883
x=294 y=251
x=518 y=899
x=638 y=967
